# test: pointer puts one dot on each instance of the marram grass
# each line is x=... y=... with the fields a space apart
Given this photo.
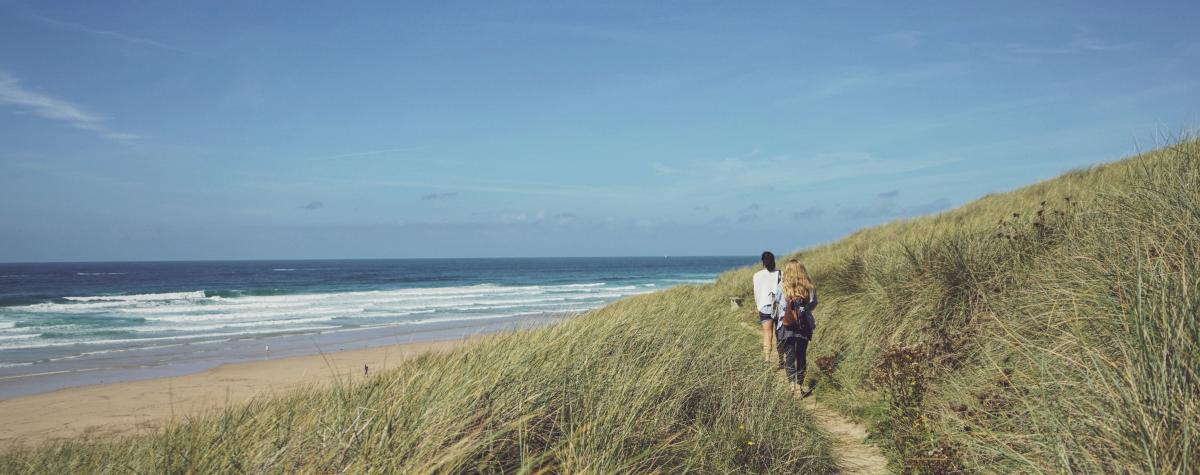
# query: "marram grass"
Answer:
x=658 y=383
x=1052 y=329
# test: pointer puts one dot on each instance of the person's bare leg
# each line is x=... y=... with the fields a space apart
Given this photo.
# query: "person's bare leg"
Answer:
x=768 y=341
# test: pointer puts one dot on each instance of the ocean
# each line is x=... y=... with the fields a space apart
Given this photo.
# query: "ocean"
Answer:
x=67 y=324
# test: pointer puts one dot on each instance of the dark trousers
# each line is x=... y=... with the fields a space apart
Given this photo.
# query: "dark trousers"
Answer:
x=792 y=353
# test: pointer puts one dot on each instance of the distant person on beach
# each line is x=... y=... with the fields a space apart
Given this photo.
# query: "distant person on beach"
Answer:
x=766 y=299
x=794 y=327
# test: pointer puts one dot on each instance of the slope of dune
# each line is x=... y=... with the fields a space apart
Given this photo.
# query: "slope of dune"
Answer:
x=1048 y=329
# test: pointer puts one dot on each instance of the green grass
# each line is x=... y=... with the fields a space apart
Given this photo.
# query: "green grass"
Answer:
x=663 y=382
x=1049 y=329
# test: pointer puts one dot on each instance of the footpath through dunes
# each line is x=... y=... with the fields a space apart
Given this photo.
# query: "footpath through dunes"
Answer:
x=665 y=382
x=1052 y=329
x=853 y=454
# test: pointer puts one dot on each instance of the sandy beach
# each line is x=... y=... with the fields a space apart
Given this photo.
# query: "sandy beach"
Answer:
x=130 y=407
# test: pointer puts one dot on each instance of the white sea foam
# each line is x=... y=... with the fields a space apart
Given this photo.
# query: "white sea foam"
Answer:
x=235 y=314
x=121 y=350
x=284 y=270
x=101 y=273
x=184 y=317
x=475 y=317
x=198 y=294
x=282 y=324
x=125 y=341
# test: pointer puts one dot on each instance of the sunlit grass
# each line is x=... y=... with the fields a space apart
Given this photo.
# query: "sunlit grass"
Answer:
x=1053 y=328
x=661 y=382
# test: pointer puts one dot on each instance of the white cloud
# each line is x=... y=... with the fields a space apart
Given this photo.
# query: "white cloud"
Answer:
x=662 y=169
x=523 y=217
x=14 y=95
x=1080 y=43
x=830 y=85
x=755 y=172
x=116 y=35
x=439 y=196
x=886 y=205
x=368 y=153
x=903 y=39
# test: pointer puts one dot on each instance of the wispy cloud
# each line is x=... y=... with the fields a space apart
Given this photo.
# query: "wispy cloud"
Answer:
x=115 y=35
x=903 y=39
x=313 y=205
x=594 y=32
x=1121 y=102
x=858 y=79
x=367 y=153
x=749 y=214
x=523 y=217
x=507 y=187
x=807 y=213
x=523 y=188
x=13 y=94
x=886 y=205
x=1081 y=42
x=662 y=169
x=439 y=196
x=757 y=172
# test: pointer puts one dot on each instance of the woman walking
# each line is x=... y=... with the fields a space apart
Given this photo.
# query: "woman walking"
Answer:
x=766 y=300
x=794 y=328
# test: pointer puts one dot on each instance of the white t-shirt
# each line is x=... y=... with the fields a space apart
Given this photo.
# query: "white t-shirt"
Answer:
x=766 y=283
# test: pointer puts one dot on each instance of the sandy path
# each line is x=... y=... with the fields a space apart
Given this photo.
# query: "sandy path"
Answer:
x=855 y=456
x=130 y=407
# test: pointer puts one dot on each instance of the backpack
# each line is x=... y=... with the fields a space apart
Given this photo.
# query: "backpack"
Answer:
x=792 y=317
x=798 y=317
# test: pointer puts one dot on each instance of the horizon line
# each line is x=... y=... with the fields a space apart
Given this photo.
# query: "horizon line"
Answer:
x=156 y=261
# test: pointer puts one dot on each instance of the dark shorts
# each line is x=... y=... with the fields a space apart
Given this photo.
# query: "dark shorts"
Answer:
x=763 y=317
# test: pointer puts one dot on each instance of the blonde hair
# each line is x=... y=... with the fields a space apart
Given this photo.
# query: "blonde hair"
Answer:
x=796 y=283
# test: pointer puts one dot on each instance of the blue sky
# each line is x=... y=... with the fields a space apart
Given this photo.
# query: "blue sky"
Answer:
x=209 y=130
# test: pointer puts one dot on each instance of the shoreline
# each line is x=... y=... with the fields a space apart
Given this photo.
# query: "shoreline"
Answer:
x=143 y=364
x=130 y=407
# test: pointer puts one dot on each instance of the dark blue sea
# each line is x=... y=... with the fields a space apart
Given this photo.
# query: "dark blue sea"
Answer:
x=63 y=324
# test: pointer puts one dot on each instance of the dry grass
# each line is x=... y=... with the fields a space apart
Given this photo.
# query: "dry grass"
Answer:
x=1050 y=329
x=657 y=383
